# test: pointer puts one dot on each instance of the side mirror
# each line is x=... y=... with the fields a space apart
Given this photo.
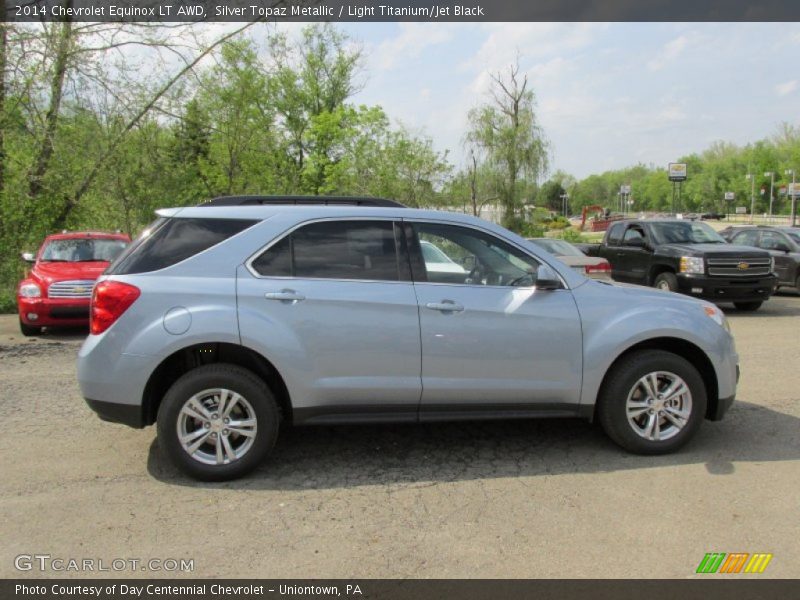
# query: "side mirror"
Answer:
x=28 y=257
x=782 y=247
x=636 y=242
x=547 y=279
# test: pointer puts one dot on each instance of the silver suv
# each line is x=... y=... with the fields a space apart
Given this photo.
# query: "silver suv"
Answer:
x=226 y=321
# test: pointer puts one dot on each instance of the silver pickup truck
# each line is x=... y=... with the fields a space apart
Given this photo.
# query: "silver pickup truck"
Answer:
x=226 y=321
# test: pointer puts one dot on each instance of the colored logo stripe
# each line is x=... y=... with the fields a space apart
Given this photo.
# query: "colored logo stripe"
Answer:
x=734 y=562
x=711 y=562
x=714 y=562
x=758 y=562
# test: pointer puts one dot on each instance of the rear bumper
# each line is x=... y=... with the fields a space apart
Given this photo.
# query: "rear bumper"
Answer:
x=53 y=312
x=127 y=414
x=720 y=289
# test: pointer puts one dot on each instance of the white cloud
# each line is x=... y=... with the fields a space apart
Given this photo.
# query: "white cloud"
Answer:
x=786 y=88
x=412 y=40
x=669 y=52
x=507 y=41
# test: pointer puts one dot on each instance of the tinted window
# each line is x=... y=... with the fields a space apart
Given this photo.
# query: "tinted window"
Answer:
x=634 y=232
x=169 y=241
x=615 y=234
x=474 y=258
x=771 y=240
x=363 y=250
x=746 y=238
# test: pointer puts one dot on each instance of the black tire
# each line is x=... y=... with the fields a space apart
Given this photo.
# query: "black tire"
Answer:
x=666 y=281
x=797 y=283
x=230 y=377
x=748 y=306
x=621 y=381
x=29 y=330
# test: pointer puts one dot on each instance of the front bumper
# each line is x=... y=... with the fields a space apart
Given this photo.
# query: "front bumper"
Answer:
x=54 y=312
x=717 y=411
x=722 y=289
x=113 y=412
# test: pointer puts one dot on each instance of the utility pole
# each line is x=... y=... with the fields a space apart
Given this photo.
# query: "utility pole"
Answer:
x=771 y=175
x=752 y=179
x=794 y=195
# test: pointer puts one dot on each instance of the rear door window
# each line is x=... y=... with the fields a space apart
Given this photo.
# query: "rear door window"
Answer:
x=360 y=250
x=615 y=234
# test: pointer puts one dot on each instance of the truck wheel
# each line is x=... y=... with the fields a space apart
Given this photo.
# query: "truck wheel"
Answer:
x=218 y=422
x=29 y=330
x=652 y=402
x=748 y=306
x=666 y=281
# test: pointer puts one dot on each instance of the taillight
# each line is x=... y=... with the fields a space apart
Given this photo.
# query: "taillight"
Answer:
x=603 y=267
x=109 y=300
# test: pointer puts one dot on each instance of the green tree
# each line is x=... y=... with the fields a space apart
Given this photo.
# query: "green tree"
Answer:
x=506 y=134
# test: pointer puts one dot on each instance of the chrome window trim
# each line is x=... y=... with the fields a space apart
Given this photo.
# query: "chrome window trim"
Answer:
x=249 y=261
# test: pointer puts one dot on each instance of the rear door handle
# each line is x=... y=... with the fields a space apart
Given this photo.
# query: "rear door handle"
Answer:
x=285 y=296
x=445 y=306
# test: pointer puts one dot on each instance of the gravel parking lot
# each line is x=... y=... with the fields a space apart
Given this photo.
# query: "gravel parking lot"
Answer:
x=507 y=499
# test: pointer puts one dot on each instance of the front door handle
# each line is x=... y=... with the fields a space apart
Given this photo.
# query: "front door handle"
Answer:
x=445 y=306
x=285 y=296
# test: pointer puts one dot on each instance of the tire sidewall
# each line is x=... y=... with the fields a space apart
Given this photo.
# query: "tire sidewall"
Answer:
x=230 y=377
x=669 y=278
x=612 y=411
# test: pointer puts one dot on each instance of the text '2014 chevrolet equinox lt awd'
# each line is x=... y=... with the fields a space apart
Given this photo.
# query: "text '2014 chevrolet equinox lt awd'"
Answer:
x=226 y=320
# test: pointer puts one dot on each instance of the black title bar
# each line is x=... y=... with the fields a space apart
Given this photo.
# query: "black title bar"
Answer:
x=402 y=10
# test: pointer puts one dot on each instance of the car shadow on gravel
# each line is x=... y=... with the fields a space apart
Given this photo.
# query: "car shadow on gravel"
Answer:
x=421 y=455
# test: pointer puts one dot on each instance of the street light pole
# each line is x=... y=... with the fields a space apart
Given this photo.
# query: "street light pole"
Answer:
x=752 y=179
x=794 y=196
x=771 y=175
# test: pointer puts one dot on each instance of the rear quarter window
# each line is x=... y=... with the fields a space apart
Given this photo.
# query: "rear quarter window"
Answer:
x=169 y=241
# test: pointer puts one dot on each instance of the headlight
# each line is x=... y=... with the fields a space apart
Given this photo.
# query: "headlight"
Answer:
x=30 y=290
x=718 y=316
x=692 y=264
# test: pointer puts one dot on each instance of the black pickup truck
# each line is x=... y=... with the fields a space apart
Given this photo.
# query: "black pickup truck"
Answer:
x=687 y=257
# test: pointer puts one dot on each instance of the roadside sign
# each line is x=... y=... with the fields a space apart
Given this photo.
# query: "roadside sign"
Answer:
x=794 y=189
x=677 y=171
x=730 y=196
x=625 y=189
x=741 y=210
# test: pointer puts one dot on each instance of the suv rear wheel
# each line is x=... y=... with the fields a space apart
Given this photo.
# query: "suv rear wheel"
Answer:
x=652 y=402
x=218 y=422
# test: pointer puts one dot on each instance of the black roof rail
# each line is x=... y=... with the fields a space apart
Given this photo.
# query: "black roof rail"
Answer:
x=301 y=200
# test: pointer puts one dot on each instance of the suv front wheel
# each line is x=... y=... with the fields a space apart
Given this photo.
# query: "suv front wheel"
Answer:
x=652 y=402
x=218 y=422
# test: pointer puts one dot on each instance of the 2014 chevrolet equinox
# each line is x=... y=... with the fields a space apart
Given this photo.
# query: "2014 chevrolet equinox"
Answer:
x=223 y=321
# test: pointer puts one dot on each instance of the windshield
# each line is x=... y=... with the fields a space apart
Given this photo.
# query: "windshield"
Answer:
x=685 y=232
x=83 y=250
x=557 y=247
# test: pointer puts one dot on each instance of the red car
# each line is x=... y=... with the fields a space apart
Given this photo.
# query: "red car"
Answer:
x=58 y=289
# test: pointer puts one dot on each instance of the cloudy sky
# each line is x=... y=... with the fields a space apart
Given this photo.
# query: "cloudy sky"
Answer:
x=609 y=95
